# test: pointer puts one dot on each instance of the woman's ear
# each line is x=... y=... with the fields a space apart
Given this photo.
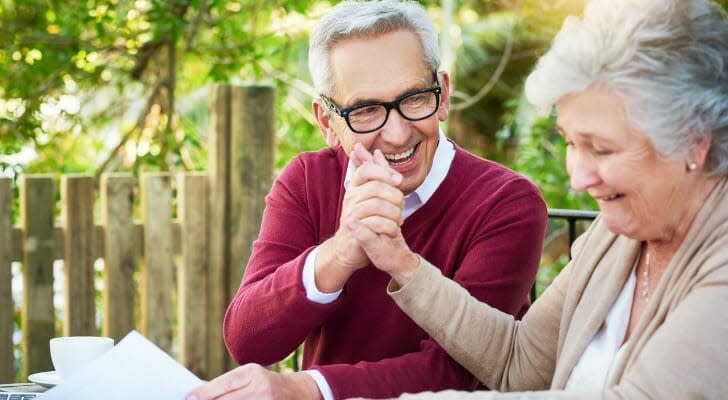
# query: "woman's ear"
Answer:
x=323 y=119
x=699 y=154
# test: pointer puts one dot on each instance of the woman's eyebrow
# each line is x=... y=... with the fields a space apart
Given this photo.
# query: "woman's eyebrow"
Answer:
x=586 y=134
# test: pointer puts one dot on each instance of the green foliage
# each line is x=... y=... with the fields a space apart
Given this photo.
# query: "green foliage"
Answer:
x=541 y=156
x=121 y=60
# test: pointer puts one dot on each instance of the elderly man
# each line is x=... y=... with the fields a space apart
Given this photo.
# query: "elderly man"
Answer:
x=382 y=96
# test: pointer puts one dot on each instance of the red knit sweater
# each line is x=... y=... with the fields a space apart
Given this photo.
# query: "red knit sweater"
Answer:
x=483 y=227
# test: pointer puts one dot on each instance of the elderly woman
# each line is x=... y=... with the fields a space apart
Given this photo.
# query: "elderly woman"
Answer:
x=641 y=94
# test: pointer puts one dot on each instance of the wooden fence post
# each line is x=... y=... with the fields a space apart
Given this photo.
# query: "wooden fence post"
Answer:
x=117 y=211
x=242 y=148
x=192 y=212
x=77 y=215
x=252 y=153
x=36 y=214
x=219 y=173
x=157 y=275
x=7 y=309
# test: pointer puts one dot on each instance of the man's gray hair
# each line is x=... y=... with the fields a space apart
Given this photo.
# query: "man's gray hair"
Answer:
x=666 y=59
x=356 y=19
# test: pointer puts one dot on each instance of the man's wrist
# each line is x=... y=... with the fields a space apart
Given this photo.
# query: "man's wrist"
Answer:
x=309 y=281
x=329 y=276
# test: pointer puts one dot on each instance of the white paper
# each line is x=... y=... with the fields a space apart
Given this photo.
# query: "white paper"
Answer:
x=133 y=369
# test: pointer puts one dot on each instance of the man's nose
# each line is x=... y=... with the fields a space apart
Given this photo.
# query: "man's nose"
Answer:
x=397 y=128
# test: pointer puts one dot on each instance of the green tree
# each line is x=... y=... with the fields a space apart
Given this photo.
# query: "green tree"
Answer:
x=110 y=84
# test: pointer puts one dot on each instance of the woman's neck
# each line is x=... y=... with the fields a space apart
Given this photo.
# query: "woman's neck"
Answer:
x=663 y=248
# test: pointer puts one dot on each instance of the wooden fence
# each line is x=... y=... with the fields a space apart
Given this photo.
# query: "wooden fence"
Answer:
x=178 y=263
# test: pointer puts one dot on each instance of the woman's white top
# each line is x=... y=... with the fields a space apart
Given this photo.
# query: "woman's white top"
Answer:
x=595 y=365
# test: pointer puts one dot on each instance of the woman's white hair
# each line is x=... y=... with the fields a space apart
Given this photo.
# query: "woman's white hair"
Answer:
x=352 y=19
x=666 y=59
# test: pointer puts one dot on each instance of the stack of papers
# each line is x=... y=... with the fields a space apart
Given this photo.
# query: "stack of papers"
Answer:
x=133 y=369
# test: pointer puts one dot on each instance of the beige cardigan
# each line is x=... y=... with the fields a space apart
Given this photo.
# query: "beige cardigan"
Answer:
x=679 y=346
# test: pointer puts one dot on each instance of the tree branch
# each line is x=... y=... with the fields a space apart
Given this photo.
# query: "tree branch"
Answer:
x=195 y=25
x=498 y=71
x=149 y=49
x=139 y=124
x=296 y=84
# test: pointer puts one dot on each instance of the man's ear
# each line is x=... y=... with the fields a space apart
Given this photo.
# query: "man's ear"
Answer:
x=323 y=119
x=444 y=111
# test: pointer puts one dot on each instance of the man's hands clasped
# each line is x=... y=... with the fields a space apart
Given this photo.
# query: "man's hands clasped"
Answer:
x=380 y=235
x=372 y=199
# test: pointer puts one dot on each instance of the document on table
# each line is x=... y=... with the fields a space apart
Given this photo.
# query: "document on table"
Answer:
x=133 y=369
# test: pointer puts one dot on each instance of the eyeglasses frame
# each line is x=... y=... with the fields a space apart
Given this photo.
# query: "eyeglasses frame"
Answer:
x=388 y=105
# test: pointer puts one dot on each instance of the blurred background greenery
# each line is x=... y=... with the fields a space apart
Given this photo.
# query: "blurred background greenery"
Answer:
x=122 y=85
x=97 y=86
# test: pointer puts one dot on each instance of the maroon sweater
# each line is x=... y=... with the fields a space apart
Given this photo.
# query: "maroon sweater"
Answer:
x=483 y=227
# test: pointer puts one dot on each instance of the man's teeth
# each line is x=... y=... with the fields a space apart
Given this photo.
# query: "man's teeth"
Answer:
x=400 y=156
x=611 y=197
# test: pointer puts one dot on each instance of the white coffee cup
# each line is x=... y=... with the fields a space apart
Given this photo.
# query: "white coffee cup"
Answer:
x=71 y=353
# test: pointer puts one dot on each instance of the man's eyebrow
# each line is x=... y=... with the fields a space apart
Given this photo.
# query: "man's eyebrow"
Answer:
x=358 y=101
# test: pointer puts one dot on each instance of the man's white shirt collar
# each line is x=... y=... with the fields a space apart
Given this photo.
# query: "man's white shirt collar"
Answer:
x=444 y=154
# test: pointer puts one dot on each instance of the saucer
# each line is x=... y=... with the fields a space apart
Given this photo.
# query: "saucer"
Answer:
x=46 y=379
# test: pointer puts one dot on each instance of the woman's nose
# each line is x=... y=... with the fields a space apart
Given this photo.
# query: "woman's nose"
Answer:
x=582 y=171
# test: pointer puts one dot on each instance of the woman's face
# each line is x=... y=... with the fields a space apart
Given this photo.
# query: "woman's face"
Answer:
x=638 y=192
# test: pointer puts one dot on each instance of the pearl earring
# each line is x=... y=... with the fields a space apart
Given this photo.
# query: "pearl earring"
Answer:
x=692 y=166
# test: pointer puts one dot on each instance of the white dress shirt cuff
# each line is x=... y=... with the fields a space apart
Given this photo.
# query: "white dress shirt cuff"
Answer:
x=309 y=283
x=323 y=386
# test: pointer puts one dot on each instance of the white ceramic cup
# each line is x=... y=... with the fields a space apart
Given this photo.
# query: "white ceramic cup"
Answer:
x=71 y=353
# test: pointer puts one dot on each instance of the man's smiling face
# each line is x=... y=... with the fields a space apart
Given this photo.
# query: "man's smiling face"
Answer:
x=383 y=68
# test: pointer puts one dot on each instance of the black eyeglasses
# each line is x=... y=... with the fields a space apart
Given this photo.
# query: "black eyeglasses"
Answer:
x=368 y=117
